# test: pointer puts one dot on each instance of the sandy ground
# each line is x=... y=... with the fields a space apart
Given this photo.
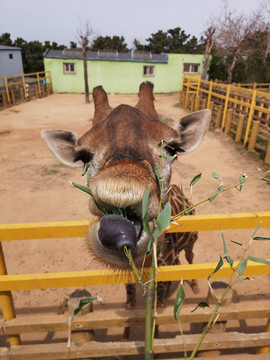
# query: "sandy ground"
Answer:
x=35 y=187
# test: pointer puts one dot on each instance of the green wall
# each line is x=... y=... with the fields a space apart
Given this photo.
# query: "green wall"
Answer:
x=119 y=76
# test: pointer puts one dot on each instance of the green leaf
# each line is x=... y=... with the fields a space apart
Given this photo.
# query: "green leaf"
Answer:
x=242 y=279
x=146 y=226
x=117 y=211
x=265 y=179
x=261 y=238
x=195 y=179
x=214 y=195
x=189 y=210
x=257 y=228
x=218 y=267
x=145 y=202
x=88 y=177
x=258 y=260
x=149 y=247
x=100 y=208
x=224 y=244
x=81 y=304
x=159 y=176
x=242 y=179
x=179 y=299
x=86 y=166
x=83 y=188
x=215 y=175
x=163 y=220
x=160 y=248
x=241 y=267
x=229 y=260
x=202 y=304
x=237 y=243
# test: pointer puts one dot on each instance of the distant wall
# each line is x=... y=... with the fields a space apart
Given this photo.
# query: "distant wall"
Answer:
x=10 y=62
x=119 y=76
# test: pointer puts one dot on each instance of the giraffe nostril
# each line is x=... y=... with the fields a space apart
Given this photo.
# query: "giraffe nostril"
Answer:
x=115 y=232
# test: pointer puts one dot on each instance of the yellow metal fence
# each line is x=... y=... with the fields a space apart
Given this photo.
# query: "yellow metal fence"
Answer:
x=241 y=111
x=16 y=232
x=19 y=88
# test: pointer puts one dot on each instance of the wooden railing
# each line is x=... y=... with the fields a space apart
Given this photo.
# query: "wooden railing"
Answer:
x=244 y=113
x=20 y=88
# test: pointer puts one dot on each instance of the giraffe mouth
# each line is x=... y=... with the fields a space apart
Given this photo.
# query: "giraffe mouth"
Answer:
x=111 y=234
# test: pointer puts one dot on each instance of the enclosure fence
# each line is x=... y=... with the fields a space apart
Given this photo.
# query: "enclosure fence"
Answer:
x=237 y=110
x=15 y=326
x=20 y=88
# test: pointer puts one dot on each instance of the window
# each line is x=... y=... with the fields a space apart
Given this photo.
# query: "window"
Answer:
x=10 y=56
x=191 y=68
x=148 y=70
x=69 y=68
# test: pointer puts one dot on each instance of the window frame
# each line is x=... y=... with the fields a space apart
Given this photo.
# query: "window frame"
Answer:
x=191 y=65
x=67 y=68
x=147 y=73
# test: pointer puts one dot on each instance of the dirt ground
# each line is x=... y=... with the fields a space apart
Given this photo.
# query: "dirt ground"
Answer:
x=35 y=187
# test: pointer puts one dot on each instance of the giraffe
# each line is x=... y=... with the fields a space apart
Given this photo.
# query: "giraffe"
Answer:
x=122 y=151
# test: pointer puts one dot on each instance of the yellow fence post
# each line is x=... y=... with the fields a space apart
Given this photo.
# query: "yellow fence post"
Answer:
x=24 y=87
x=38 y=82
x=225 y=106
x=250 y=116
x=7 y=301
x=267 y=153
x=187 y=92
x=209 y=94
x=7 y=92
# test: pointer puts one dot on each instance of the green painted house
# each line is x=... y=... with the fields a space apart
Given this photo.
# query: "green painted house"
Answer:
x=119 y=72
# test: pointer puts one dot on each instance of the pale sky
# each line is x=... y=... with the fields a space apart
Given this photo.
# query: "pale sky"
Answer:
x=59 y=20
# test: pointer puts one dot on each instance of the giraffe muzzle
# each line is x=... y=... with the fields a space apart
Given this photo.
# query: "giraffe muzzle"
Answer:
x=116 y=232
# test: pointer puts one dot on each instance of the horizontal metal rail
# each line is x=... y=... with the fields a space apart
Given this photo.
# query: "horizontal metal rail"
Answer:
x=71 y=229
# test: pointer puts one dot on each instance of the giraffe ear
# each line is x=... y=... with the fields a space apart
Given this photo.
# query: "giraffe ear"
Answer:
x=192 y=129
x=62 y=145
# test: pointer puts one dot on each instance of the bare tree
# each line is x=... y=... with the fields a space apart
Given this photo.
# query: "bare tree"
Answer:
x=210 y=40
x=84 y=37
x=232 y=31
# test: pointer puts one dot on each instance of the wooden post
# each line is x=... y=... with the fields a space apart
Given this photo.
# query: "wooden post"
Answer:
x=4 y=100
x=204 y=103
x=22 y=94
x=197 y=103
x=42 y=90
x=267 y=153
x=238 y=135
x=212 y=299
x=36 y=91
x=80 y=337
x=253 y=136
x=192 y=102
x=211 y=107
x=218 y=116
x=228 y=121
x=13 y=97
x=30 y=93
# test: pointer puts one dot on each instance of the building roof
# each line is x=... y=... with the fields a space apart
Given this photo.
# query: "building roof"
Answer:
x=4 y=47
x=107 y=55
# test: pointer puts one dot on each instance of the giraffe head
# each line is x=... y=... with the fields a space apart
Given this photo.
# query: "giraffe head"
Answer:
x=123 y=153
